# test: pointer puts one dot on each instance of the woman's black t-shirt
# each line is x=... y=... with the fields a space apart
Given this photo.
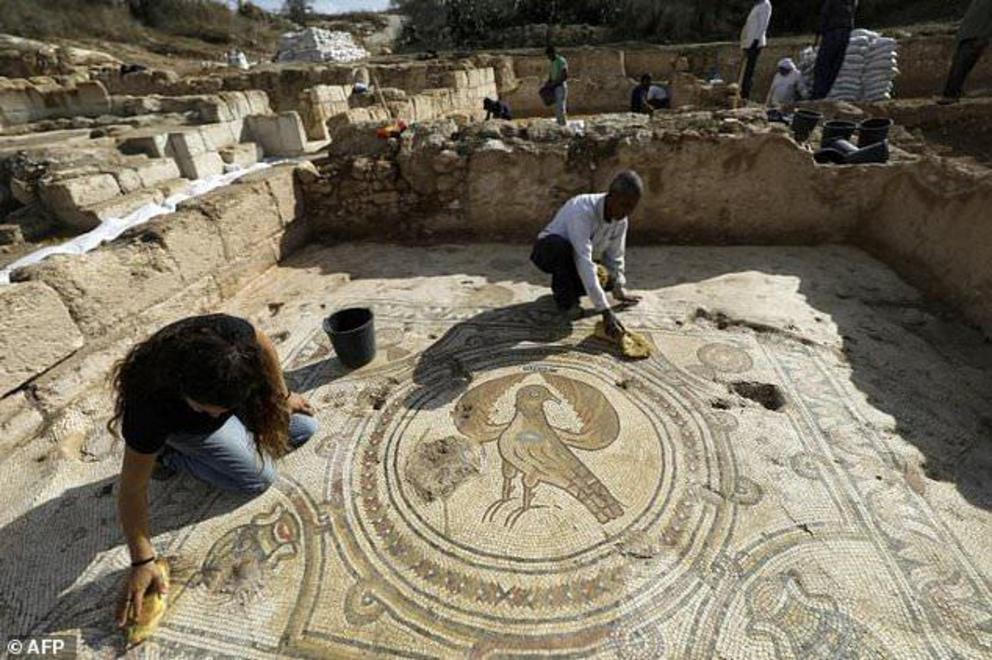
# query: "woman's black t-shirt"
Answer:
x=147 y=423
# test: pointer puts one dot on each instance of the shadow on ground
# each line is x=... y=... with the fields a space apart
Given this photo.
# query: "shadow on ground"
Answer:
x=49 y=548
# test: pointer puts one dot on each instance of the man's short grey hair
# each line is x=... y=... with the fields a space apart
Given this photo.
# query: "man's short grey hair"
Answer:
x=627 y=182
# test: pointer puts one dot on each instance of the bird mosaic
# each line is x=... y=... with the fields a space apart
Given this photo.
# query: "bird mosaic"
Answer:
x=538 y=452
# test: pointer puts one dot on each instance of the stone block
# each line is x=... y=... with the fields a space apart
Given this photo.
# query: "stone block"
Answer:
x=187 y=144
x=457 y=79
x=173 y=187
x=122 y=206
x=278 y=135
x=245 y=213
x=92 y=100
x=152 y=144
x=157 y=170
x=224 y=134
x=36 y=332
x=258 y=102
x=191 y=238
x=237 y=104
x=106 y=289
x=242 y=155
x=201 y=166
x=19 y=420
x=66 y=199
x=128 y=180
x=233 y=277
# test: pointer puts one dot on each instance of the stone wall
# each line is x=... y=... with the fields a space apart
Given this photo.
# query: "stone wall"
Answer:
x=602 y=77
x=113 y=177
x=64 y=321
x=320 y=103
x=26 y=101
x=712 y=178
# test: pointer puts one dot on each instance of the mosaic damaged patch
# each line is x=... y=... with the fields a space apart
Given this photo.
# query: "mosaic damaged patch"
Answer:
x=494 y=484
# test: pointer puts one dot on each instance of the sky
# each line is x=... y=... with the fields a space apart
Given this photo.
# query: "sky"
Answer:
x=330 y=6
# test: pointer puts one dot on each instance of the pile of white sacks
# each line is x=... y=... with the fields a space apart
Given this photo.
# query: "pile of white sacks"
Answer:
x=869 y=70
x=318 y=45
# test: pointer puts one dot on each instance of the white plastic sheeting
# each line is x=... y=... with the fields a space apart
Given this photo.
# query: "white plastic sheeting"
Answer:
x=871 y=65
x=113 y=227
x=319 y=45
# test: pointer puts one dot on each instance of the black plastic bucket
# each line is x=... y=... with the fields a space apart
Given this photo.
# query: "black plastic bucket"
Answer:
x=352 y=333
x=874 y=130
x=803 y=123
x=837 y=129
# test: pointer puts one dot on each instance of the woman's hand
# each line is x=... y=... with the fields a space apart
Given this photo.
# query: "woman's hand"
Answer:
x=297 y=404
x=143 y=579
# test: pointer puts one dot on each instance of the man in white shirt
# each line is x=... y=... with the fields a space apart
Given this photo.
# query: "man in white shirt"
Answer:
x=754 y=37
x=648 y=97
x=586 y=228
x=788 y=86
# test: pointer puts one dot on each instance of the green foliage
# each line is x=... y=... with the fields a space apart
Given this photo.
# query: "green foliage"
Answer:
x=130 y=20
x=298 y=10
x=455 y=23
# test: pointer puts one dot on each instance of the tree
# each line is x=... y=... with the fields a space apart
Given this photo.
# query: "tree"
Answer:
x=298 y=10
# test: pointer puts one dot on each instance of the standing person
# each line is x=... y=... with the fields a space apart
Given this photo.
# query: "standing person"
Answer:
x=590 y=227
x=836 y=24
x=754 y=37
x=648 y=97
x=973 y=39
x=788 y=86
x=204 y=395
x=558 y=81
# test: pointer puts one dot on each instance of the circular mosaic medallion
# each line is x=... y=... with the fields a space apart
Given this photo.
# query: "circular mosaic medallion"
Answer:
x=725 y=358
x=542 y=495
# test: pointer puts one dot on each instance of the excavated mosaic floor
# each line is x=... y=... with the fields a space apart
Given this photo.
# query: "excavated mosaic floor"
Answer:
x=803 y=470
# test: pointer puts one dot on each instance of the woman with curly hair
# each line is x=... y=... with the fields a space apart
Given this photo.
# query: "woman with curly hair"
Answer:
x=204 y=395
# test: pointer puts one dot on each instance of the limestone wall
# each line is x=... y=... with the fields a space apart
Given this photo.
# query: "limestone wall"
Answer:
x=707 y=180
x=602 y=77
x=712 y=178
x=84 y=185
x=931 y=224
x=26 y=101
x=432 y=89
x=320 y=103
x=64 y=321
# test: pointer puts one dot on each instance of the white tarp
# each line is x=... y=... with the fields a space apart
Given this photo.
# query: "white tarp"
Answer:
x=111 y=228
x=871 y=65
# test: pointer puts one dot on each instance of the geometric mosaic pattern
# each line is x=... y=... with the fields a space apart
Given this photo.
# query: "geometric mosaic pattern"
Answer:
x=494 y=485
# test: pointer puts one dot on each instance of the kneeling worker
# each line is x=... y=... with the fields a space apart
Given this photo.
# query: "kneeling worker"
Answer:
x=590 y=227
x=205 y=395
x=496 y=109
x=648 y=97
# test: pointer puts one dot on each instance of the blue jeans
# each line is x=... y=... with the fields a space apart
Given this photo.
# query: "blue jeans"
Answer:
x=228 y=458
x=561 y=104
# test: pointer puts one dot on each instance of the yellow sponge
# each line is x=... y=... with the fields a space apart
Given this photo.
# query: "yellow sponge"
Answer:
x=632 y=344
x=152 y=610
